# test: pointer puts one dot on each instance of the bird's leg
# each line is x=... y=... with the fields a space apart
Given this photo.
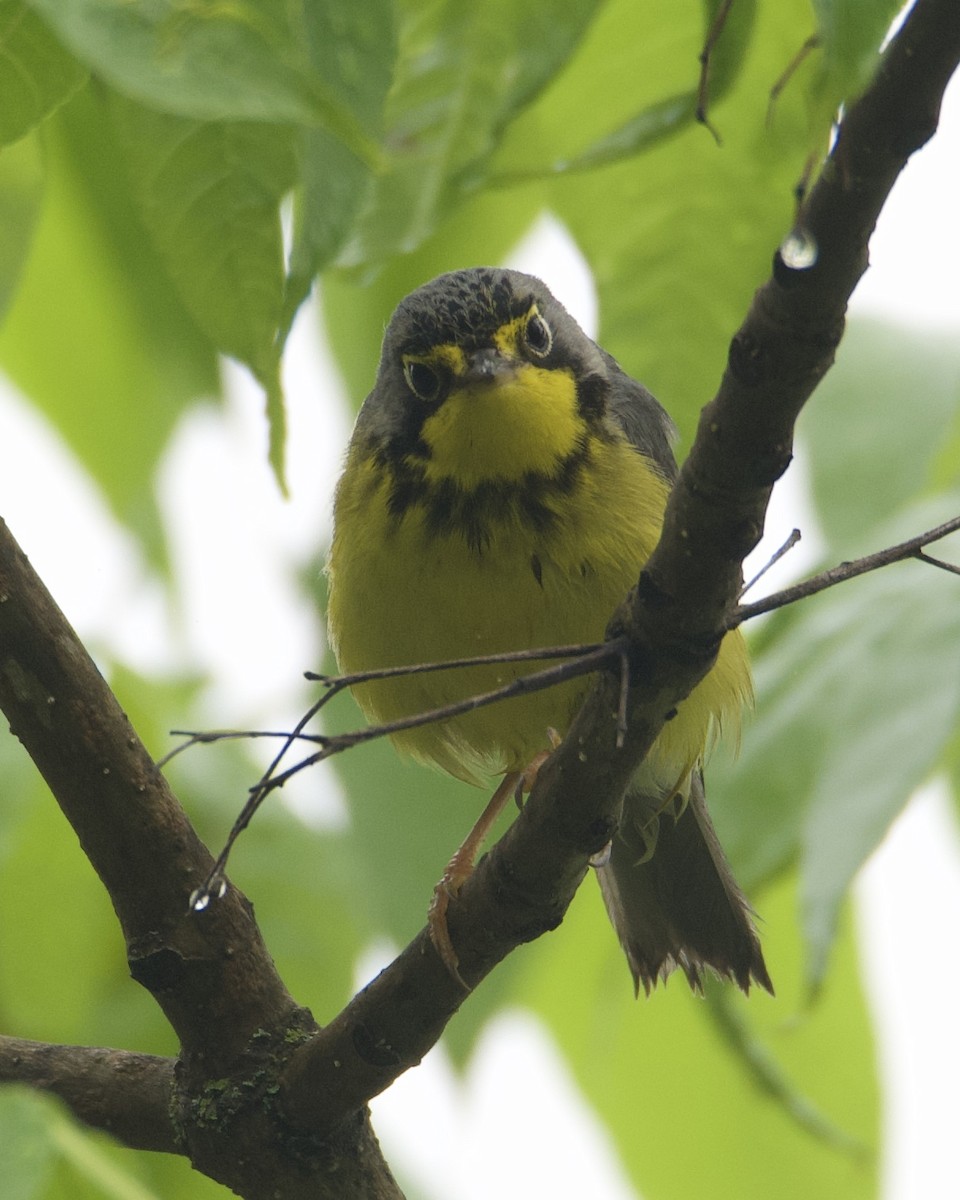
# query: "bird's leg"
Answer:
x=460 y=868
x=528 y=776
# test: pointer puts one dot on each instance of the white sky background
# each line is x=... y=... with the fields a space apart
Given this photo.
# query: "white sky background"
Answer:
x=240 y=617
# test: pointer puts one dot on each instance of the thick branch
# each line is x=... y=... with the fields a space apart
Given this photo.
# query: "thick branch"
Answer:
x=677 y=615
x=787 y=342
x=131 y=827
x=127 y=1095
x=210 y=972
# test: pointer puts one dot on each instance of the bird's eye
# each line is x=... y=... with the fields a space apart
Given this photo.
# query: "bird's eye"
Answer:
x=422 y=380
x=537 y=335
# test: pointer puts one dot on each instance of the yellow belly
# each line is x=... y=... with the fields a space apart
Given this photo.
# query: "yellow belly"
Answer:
x=400 y=594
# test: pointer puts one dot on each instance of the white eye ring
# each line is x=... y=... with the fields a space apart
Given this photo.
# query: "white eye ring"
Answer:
x=421 y=379
x=537 y=335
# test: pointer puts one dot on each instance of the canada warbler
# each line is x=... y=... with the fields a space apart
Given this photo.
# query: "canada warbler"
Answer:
x=504 y=486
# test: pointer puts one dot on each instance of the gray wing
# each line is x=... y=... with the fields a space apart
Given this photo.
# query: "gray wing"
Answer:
x=642 y=418
x=680 y=905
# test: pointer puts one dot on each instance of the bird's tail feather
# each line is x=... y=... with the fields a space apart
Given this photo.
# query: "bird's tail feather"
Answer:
x=679 y=905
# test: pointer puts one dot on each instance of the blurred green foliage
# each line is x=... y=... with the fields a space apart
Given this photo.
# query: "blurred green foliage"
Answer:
x=152 y=153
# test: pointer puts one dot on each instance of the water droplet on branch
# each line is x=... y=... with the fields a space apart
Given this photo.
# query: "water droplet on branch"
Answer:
x=798 y=250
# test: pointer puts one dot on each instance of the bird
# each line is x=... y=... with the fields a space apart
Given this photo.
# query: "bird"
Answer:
x=504 y=485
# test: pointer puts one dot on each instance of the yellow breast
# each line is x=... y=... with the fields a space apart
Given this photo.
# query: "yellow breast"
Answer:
x=405 y=589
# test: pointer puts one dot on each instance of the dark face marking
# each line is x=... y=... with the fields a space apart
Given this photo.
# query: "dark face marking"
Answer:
x=477 y=514
x=466 y=308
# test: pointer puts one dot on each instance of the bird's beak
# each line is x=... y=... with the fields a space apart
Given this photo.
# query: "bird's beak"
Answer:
x=487 y=365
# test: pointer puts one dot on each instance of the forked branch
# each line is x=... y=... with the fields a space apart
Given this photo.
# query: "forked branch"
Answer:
x=210 y=971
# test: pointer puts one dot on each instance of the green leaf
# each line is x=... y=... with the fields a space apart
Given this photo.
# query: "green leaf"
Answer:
x=308 y=900
x=58 y=924
x=36 y=73
x=30 y=1154
x=544 y=36
x=353 y=47
x=862 y=471
x=96 y=335
x=618 y=93
x=667 y=115
x=463 y=70
x=945 y=468
x=91 y=1160
x=48 y=1155
x=269 y=379
x=730 y=45
x=679 y=244
x=171 y=1175
x=858 y=700
x=209 y=193
x=865 y=464
x=832 y=63
x=21 y=190
x=689 y=1115
x=850 y=32
x=899 y=635
x=659 y=120
x=405 y=823
x=730 y=1018
x=624 y=64
x=23 y=791
x=238 y=60
x=334 y=186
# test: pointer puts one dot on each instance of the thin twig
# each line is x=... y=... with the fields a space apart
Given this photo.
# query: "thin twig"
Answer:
x=912 y=548
x=585 y=663
x=703 y=88
x=478 y=660
x=774 y=558
x=208 y=737
x=582 y=660
x=813 y=42
x=338 y=683
x=938 y=562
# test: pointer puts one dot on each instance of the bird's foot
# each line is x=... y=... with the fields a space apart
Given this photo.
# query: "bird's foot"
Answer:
x=460 y=867
x=458 y=871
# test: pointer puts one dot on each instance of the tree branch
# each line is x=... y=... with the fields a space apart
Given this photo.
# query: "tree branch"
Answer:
x=131 y=828
x=210 y=972
x=787 y=342
x=127 y=1095
x=579 y=660
x=911 y=548
x=677 y=614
